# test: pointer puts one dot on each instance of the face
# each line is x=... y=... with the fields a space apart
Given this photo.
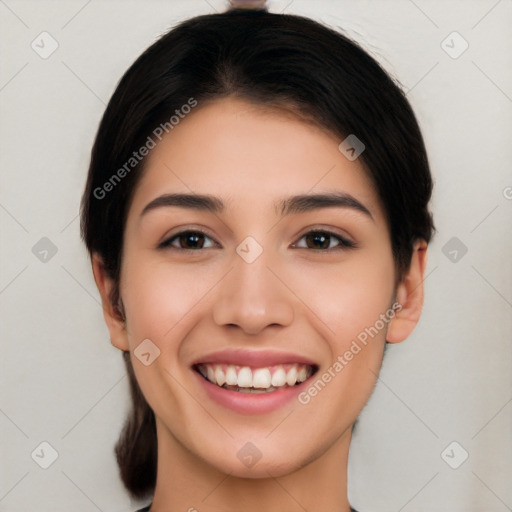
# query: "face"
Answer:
x=268 y=301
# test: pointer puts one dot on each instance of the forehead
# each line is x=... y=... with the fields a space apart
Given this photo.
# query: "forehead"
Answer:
x=249 y=156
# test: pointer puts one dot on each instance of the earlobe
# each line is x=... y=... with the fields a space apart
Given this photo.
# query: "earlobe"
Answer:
x=114 y=320
x=410 y=296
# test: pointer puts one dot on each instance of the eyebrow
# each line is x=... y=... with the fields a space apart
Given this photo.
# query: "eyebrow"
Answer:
x=287 y=206
x=307 y=202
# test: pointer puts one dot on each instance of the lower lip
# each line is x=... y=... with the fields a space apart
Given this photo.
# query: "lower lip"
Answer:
x=251 y=403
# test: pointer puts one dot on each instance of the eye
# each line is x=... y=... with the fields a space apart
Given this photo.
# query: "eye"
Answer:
x=187 y=240
x=323 y=240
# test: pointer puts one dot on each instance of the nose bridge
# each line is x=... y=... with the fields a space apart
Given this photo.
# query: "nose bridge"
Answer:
x=251 y=296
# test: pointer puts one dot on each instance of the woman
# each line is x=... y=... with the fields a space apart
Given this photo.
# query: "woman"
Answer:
x=256 y=212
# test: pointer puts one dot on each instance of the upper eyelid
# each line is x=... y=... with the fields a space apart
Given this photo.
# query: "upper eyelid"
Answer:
x=345 y=241
x=183 y=230
x=333 y=231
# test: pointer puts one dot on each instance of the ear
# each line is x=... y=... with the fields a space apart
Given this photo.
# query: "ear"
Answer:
x=410 y=296
x=111 y=312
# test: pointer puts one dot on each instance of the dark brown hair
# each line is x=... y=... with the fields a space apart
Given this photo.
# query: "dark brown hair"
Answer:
x=269 y=59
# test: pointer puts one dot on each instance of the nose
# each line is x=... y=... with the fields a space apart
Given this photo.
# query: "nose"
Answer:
x=252 y=297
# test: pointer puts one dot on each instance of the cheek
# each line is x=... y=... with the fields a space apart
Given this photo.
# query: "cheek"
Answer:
x=350 y=301
x=161 y=304
x=349 y=297
x=160 y=299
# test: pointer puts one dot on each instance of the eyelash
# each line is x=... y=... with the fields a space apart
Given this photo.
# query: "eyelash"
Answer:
x=344 y=243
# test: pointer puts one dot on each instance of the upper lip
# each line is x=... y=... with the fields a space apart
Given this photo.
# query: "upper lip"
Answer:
x=255 y=358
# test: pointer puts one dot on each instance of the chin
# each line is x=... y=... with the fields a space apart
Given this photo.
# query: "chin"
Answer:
x=266 y=467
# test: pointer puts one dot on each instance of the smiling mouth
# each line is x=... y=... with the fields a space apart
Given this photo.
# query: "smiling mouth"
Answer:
x=246 y=379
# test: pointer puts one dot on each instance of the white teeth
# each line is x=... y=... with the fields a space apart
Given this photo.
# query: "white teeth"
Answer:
x=244 y=377
x=291 y=376
x=231 y=377
x=261 y=378
x=220 y=378
x=279 y=377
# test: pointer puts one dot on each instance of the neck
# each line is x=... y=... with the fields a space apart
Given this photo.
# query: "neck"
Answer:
x=187 y=483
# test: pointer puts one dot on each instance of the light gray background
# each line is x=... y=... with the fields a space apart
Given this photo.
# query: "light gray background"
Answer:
x=62 y=381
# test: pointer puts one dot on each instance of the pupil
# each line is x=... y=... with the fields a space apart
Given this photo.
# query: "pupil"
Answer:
x=192 y=240
x=321 y=239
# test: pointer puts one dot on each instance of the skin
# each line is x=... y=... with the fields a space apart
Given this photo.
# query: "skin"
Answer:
x=296 y=296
